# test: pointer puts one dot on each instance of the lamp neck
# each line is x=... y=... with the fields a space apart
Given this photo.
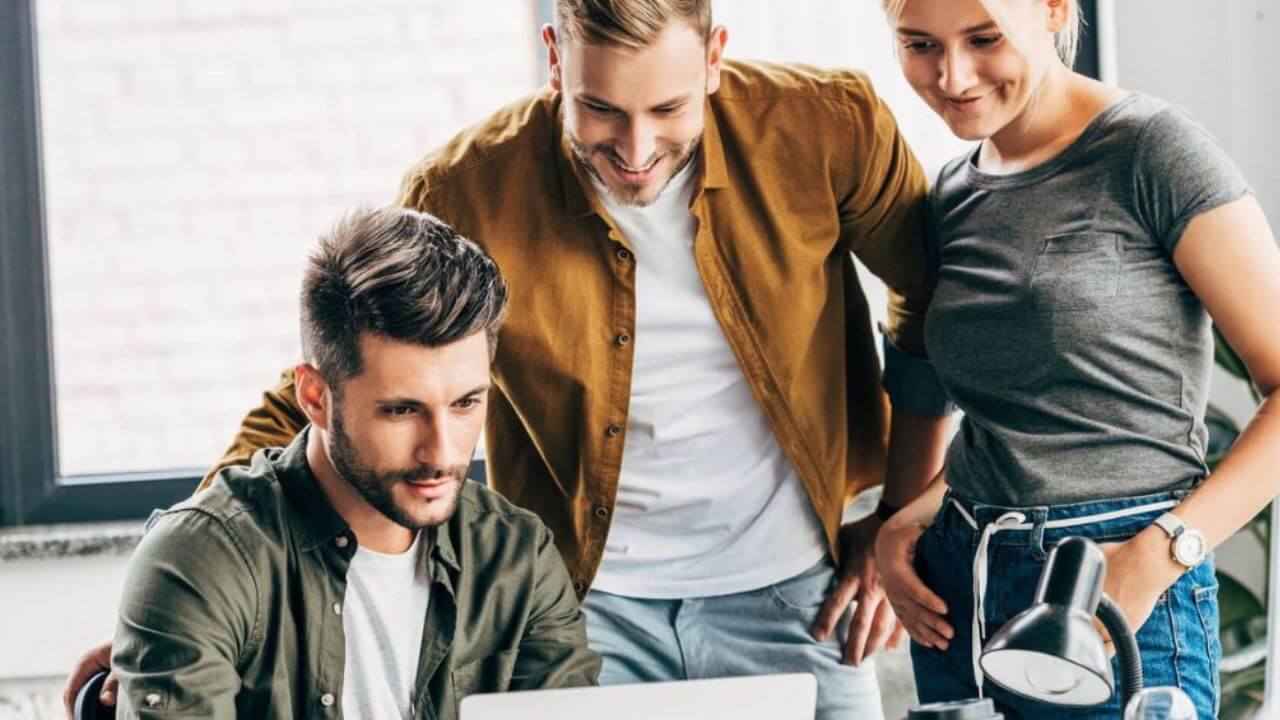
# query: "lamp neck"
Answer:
x=1113 y=619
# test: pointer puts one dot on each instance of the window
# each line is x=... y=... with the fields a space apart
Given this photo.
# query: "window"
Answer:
x=168 y=165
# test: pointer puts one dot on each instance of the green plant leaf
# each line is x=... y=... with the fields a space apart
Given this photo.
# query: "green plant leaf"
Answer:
x=1242 y=614
x=1242 y=693
x=1236 y=603
x=1239 y=706
x=1223 y=432
x=1244 y=680
x=1226 y=358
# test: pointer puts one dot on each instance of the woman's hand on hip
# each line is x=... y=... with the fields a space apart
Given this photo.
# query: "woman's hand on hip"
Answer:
x=1139 y=570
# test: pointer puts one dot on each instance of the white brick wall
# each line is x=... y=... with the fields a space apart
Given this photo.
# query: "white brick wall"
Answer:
x=194 y=150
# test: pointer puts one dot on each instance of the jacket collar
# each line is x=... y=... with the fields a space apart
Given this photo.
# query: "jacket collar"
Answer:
x=314 y=521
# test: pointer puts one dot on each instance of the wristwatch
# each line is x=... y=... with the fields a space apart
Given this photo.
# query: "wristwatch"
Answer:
x=1187 y=546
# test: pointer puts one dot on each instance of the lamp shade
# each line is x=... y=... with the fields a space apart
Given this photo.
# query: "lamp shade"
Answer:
x=1052 y=652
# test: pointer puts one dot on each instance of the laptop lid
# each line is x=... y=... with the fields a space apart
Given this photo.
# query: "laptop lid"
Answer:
x=764 y=697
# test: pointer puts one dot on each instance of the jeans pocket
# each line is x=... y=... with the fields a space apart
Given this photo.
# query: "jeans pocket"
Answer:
x=805 y=593
x=1206 y=602
x=926 y=536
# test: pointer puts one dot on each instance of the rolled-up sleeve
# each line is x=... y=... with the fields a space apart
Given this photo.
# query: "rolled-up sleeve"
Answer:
x=882 y=220
x=187 y=618
x=882 y=215
x=553 y=650
x=912 y=383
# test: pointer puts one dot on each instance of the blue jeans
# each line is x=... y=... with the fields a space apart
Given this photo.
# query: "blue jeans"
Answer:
x=1178 y=643
x=758 y=632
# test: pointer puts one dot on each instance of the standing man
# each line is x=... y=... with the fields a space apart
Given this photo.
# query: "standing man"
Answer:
x=687 y=389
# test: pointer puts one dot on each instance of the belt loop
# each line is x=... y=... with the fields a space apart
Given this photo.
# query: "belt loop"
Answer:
x=940 y=517
x=1036 y=539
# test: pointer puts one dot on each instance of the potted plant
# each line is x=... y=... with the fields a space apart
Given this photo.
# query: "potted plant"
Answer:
x=1243 y=614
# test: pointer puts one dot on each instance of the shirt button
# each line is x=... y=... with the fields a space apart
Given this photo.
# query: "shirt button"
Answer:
x=326 y=699
x=614 y=430
x=342 y=541
x=153 y=699
x=577 y=587
x=337 y=608
x=624 y=254
x=602 y=512
x=624 y=339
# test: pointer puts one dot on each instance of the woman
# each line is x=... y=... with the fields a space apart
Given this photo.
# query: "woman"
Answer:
x=1082 y=248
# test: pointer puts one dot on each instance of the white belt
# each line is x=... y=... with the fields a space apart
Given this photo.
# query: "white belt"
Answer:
x=1014 y=520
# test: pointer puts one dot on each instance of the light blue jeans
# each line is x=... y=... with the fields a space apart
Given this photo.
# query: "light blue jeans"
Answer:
x=759 y=632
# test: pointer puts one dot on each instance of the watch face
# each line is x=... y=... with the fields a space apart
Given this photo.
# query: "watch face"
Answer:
x=1190 y=548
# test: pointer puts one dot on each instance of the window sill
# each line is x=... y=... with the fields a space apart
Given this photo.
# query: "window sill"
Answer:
x=49 y=542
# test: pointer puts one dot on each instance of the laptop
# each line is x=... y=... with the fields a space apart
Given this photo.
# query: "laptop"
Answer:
x=764 y=697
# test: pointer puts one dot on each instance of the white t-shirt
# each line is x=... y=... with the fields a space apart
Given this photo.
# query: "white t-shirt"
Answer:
x=707 y=504
x=383 y=613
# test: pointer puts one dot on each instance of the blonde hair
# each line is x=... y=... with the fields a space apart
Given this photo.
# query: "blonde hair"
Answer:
x=1066 y=40
x=629 y=23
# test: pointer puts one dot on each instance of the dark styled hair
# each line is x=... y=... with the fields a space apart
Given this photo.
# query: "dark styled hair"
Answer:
x=397 y=273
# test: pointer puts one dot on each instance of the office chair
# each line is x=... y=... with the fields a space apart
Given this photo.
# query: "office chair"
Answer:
x=87 y=706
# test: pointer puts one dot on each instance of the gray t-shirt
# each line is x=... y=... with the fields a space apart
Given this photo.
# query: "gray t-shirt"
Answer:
x=1061 y=326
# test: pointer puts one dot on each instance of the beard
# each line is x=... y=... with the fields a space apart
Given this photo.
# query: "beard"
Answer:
x=630 y=194
x=376 y=486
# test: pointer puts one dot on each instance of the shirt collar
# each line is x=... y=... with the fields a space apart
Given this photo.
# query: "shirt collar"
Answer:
x=442 y=537
x=317 y=523
x=573 y=177
x=715 y=175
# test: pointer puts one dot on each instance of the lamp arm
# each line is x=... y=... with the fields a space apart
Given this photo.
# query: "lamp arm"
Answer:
x=1126 y=644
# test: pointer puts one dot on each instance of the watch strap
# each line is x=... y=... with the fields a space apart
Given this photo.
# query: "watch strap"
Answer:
x=1171 y=524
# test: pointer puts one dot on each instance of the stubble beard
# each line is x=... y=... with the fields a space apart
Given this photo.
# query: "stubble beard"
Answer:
x=375 y=487
x=632 y=198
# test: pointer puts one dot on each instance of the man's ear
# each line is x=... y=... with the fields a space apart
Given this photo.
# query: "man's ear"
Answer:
x=313 y=394
x=553 y=57
x=715 y=56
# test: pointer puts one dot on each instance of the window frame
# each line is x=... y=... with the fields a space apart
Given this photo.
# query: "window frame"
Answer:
x=32 y=490
x=1088 y=57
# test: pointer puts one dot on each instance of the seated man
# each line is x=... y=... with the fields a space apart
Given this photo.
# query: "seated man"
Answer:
x=357 y=570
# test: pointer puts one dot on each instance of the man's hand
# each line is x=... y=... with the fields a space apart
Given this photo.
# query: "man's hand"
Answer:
x=920 y=610
x=90 y=664
x=874 y=625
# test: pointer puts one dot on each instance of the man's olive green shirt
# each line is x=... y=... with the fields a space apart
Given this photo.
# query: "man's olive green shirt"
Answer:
x=233 y=603
x=798 y=168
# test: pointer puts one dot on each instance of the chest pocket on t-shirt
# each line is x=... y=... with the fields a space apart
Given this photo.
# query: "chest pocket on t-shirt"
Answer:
x=1078 y=271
